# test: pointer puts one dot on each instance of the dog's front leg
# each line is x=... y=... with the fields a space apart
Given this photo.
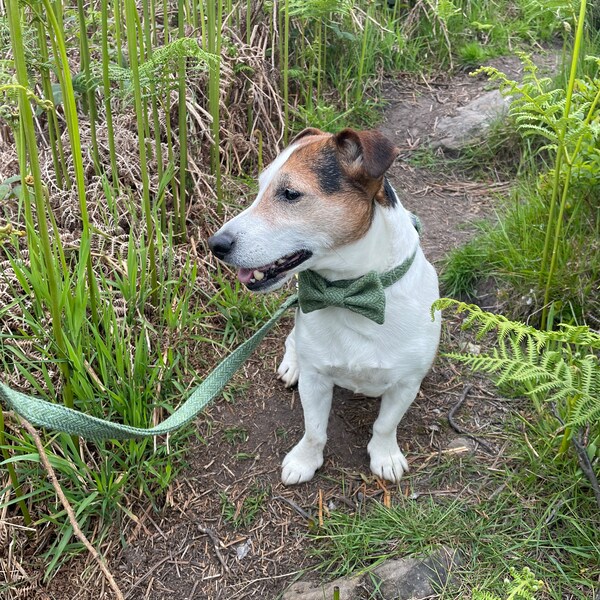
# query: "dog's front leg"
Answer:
x=288 y=369
x=387 y=461
x=306 y=456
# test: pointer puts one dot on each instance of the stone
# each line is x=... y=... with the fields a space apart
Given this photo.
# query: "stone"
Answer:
x=397 y=579
x=471 y=122
x=462 y=444
x=306 y=590
x=416 y=578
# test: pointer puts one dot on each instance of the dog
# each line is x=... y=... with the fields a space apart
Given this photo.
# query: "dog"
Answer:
x=325 y=209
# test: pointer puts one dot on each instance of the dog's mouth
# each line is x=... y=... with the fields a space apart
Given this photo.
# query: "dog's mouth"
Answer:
x=263 y=277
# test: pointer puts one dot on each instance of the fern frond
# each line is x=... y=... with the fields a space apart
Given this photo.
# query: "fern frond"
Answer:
x=557 y=366
x=578 y=335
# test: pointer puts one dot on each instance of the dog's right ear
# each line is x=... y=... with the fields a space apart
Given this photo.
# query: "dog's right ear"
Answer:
x=306 y=132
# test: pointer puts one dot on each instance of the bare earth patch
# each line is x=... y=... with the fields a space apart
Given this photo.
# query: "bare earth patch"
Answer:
x=192 y=548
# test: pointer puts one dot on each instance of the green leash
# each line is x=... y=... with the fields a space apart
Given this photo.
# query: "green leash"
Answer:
x=364 y=295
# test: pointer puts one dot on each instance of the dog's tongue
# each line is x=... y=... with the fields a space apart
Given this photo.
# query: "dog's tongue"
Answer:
x=245 y=275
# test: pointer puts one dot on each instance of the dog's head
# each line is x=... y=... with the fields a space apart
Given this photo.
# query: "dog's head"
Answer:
x=319 y=194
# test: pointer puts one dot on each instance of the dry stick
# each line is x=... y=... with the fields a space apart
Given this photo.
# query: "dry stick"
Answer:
x=216 y=543
x=586 y=465
x=460 y=429
x=69 y=510
x=299 y=510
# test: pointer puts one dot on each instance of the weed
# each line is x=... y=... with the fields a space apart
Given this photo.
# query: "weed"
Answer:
x=244 y=456
x=242 y=513
x=523 y=586
x=281 y=433
x=235 y=435
x=472 y=54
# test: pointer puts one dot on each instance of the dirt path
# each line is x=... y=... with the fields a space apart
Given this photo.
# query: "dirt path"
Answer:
x=191 y=549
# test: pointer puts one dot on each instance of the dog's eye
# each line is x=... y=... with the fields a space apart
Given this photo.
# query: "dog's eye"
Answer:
x=291 y=195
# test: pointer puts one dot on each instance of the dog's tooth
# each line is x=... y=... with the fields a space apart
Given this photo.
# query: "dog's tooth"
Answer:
x=258 y=275
x=280 y=261
x=252 y=280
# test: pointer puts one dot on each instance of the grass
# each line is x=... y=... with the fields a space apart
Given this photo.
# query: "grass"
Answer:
x=536 y=513
x=509 y=253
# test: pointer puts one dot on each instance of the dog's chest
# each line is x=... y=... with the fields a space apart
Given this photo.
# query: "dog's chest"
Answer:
x=356 y=354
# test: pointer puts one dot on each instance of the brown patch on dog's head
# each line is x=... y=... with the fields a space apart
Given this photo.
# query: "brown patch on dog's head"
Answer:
x=338 y=178
x=309 y=131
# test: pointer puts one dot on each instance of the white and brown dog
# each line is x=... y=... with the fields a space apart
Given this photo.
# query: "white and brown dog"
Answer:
x=325 y=205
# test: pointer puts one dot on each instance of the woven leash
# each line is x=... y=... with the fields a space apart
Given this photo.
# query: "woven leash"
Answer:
x=60 y=418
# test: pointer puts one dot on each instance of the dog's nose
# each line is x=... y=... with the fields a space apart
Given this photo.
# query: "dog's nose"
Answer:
x=221 y=244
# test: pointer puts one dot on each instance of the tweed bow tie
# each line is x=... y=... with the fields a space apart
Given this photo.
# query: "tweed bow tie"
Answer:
x=365 y=295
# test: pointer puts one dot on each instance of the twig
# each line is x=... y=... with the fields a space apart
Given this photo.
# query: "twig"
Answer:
x=69 y=510
x=460 y=429
x=299 y=510
x=216 y=542
x=145 y=576
x=582 y=457
x=586 y=466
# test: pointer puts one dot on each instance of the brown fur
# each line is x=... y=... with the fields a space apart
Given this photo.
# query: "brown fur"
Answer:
x=339 y=176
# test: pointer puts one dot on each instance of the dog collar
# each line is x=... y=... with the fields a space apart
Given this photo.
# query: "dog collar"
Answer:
x=365 y=295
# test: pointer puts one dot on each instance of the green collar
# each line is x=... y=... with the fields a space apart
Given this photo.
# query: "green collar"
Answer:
x=365 y=295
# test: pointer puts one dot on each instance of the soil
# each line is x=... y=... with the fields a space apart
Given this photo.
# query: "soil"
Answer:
x=191 y=548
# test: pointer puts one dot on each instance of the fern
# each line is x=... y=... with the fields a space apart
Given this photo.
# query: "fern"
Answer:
x=540 y=110
x=523 y=586
x=159 y=68
x=559 y=367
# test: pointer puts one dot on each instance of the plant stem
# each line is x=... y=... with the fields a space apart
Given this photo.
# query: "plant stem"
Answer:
x=106 y=85
x=182 y=113
x=286 y=58
x=132 y=46
x=28 y=149
x=214 y=15
x=14 y=480
x=90 y=93
x=358 y=92
x=557 y=174
x=64 y=75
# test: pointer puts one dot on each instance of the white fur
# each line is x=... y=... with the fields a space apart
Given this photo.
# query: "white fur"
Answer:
x=335 y=346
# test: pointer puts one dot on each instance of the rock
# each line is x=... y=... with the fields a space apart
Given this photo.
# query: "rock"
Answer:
x=306 y=590
x=462 y=443
x=399 y=579
x=416 y=578
x=471 y=122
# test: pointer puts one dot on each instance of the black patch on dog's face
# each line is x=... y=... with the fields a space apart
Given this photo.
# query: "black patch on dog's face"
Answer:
x=389 y=192
x=328 y=171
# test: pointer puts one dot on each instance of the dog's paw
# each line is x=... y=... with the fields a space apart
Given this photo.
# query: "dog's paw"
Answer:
x=387 y=462
x=288 y=370
x=301 y=463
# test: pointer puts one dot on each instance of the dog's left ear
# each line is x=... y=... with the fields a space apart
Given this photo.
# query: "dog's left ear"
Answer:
x=366 y=152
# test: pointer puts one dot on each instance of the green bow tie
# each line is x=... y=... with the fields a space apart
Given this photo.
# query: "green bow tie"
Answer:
x=365 y=295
